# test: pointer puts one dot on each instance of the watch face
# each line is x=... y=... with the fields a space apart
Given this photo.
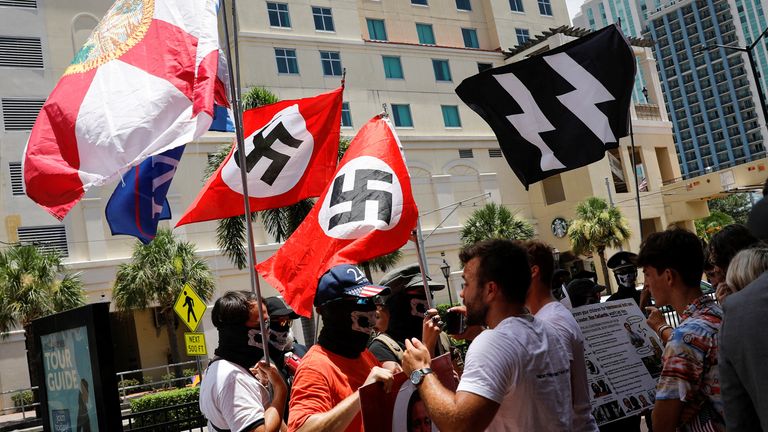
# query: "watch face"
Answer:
x=416 y=377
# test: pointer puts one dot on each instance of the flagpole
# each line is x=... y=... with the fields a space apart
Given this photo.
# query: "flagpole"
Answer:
x=634 y=169
x=234 y=84
x=422 y=261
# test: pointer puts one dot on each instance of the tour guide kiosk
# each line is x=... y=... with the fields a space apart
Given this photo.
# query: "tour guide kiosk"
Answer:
x=71 y=353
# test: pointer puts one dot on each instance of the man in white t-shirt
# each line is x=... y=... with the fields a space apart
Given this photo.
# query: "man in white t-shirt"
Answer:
x=517 y=372
x=544 y=306
x=232 y=398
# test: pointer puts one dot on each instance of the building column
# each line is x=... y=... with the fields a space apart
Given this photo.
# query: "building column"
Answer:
x=93 y=214
x=445 y=197
x=489 y=184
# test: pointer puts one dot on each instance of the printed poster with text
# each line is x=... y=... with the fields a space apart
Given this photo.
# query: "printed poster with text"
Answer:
x=623 y=357
x=69 y=380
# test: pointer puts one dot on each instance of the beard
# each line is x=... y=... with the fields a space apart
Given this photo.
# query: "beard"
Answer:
x=476 y=311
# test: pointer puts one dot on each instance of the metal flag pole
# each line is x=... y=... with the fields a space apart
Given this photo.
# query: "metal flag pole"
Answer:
x=422 y=261
x=634 y=174
x=234 y=84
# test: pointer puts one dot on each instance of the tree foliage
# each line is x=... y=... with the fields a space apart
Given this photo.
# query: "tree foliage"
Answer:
x=157 y=273
x=495 y=221
x=35 y=283
x=596 y=227
x=736 y=205
x=708 y=226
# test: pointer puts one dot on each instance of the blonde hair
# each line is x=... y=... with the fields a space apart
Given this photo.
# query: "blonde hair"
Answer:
x=745 y=267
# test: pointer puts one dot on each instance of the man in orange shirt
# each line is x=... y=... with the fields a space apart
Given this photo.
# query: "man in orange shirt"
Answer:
x=324 y=395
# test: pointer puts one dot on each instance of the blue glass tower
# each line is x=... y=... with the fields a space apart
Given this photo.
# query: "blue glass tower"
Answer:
x=707 y=90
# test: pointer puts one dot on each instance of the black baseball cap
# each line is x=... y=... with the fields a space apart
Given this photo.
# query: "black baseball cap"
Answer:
x=277 y=308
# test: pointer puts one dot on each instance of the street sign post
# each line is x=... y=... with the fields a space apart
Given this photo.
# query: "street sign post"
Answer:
x=189 y=307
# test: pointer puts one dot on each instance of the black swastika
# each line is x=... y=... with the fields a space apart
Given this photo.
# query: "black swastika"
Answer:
x=262 y=147
x=359 y=195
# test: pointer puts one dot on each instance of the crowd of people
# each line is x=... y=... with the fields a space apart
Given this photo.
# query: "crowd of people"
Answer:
x=525 y=368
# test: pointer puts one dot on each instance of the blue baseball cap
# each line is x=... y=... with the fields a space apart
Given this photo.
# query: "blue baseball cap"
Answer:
x=345 y=280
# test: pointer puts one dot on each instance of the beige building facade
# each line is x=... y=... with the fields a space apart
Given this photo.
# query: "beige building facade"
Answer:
x=407 y=55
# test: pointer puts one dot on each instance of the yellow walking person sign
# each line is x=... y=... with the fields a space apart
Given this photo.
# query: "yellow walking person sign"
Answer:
x=189 y=307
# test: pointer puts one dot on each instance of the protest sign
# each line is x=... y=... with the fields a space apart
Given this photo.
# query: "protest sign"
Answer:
x=401 y=408
x=623 y=357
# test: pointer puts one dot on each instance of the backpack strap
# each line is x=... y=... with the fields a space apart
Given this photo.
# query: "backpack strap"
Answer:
x=392 y=344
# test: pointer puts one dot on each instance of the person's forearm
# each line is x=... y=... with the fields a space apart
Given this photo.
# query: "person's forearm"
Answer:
x=443 y=409
x=337 y=419
x=273 y=420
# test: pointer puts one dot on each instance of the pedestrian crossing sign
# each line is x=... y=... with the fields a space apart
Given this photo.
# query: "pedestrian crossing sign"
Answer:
x=189 y=307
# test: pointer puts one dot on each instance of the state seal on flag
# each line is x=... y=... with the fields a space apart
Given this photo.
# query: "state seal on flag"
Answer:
x=125 y=24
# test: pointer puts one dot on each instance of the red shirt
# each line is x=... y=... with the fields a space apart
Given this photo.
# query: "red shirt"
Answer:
x=323 y=379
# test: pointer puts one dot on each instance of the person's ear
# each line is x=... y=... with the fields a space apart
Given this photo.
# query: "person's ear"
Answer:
x=491 y=290
x=535 y=272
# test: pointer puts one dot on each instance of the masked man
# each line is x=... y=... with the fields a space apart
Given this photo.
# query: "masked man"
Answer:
x=625 y=271
x=324 y=395
x=233 y=392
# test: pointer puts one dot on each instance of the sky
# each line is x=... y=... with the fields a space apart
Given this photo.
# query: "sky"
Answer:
x=573 y=7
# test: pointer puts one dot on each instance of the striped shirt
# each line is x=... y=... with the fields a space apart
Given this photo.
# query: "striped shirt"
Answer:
x=690 y=371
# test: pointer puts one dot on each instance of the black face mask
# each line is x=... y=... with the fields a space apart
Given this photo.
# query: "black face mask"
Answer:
x=281 y=337
x=406 y=316
x=626 y=279
x=240 y=344
x=347 y=326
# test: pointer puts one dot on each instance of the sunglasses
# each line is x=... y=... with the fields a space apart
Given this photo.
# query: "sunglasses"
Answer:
x=282 y=321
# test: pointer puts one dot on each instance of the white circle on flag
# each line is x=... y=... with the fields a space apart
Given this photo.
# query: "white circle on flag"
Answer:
x=354 y=214
x=282 y=163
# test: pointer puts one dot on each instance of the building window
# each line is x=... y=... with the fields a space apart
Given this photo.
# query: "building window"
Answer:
x=494 y=153
x=419 y=2
x=47 y=238
x=470 y=38
x=393 y=69
x=451 y=116
x=20 y=114
x=286 y=61
x=425 y=33
x=481 y=67
x=522 y=36
x=17 y=178
x=545 y=7
x=331 y=61
x=466 y=154
x=376 y=29
x=278 y=15
x=402 y=115
x=516 y=5
x=464 y=5
x=442 y=70
x=323 y=19
x=346 y=115
x=21 y=52
x=553 y=189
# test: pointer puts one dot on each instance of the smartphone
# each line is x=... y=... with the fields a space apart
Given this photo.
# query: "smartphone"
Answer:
x=455 y=323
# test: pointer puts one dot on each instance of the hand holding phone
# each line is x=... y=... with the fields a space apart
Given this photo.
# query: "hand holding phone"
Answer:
x=455 y=322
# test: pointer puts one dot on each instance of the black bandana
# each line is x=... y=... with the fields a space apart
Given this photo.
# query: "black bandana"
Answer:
x=240 y=344
x=406 y=313
x=347 y=327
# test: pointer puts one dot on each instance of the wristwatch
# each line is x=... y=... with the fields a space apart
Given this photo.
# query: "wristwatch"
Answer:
x=417 y=376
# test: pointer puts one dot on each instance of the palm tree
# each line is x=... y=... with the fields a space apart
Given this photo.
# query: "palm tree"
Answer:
x=34 y=283
x=156 y=275
x=596 y=227
x=495 y=221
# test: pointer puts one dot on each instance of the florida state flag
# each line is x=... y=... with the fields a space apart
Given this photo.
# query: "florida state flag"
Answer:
x=144 y=83
x=366 y=211
x=291 y=153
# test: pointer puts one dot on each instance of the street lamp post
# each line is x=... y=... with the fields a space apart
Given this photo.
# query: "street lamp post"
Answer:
x=752 y=66
x=446 y=269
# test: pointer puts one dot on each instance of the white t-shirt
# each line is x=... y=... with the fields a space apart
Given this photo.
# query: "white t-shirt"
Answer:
x=231 y=398
x=561 y=319
x=522 y=365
